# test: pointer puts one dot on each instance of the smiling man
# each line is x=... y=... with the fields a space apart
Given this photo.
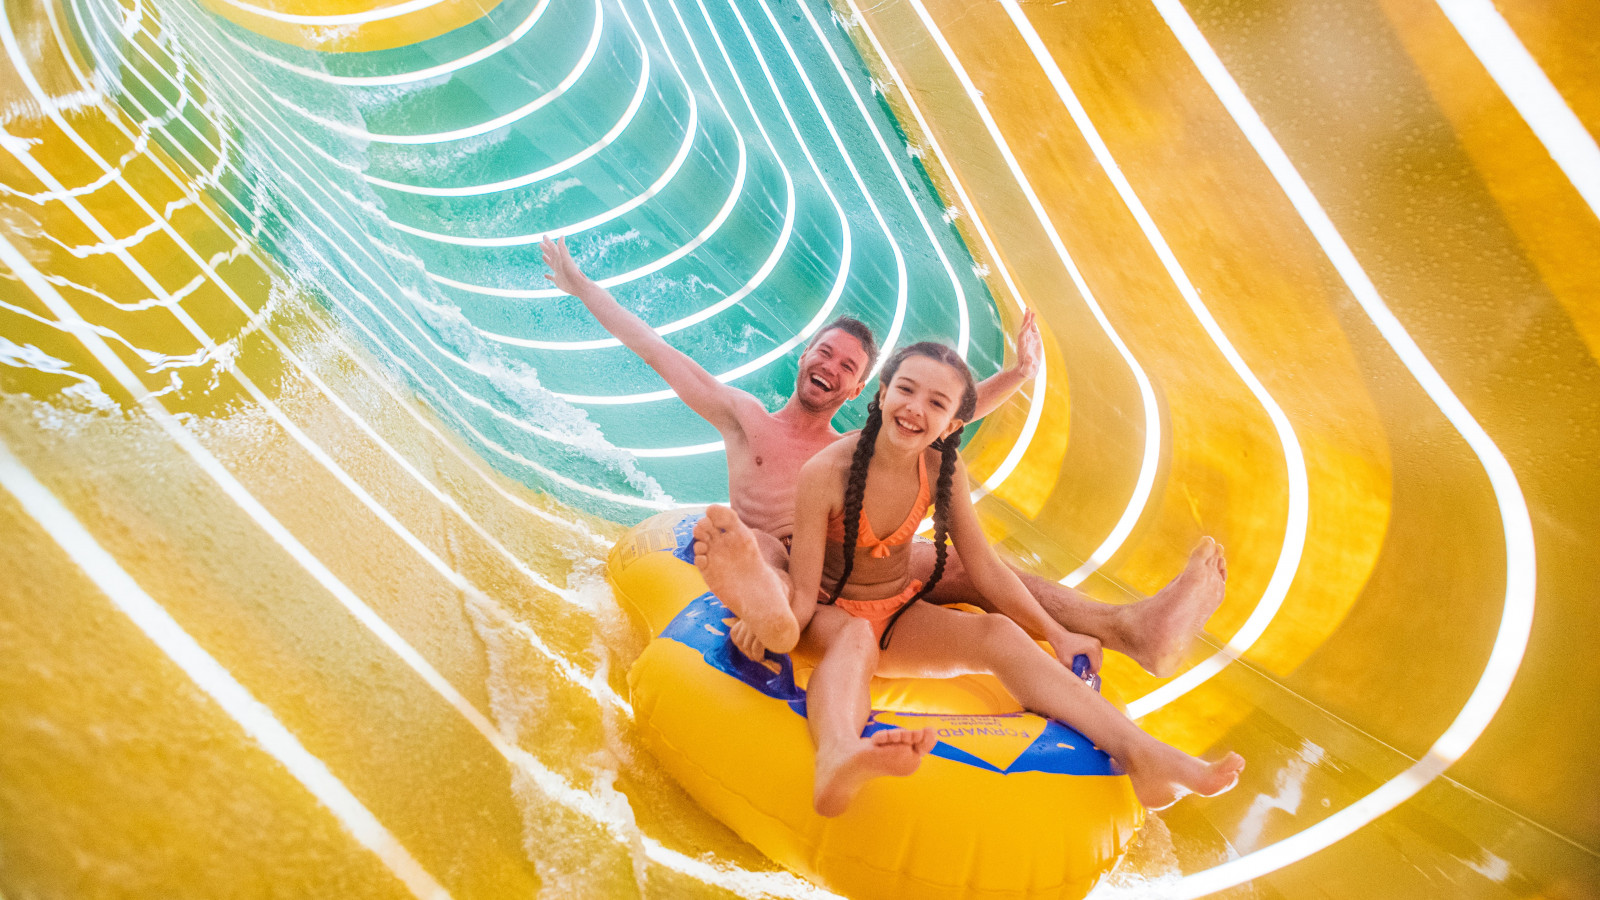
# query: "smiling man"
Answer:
x=745 y=547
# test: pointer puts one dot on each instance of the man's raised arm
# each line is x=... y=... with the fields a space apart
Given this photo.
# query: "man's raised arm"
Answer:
x=709 y=398
x=994 y=390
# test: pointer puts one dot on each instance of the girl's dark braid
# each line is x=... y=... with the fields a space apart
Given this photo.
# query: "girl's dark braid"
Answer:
x=949 y=450
x=855 y=492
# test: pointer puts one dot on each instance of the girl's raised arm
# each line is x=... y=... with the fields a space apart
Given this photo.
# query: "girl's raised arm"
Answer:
x=1001 y=586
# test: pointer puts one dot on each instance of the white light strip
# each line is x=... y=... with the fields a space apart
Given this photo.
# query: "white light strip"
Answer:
x=1516 y=618
x=1518 y=74
x=785 y=232
x=1152 y=418
x=494 y=124
x=735 y=191
x=542 y=470
x=210 y=676
x=445 y=68
x=360 y=18
x=615 y=212
x=1299 y=511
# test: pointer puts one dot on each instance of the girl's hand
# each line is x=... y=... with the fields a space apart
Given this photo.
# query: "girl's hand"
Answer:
x=564 y=271
x=745 y=640
x=1068 y=644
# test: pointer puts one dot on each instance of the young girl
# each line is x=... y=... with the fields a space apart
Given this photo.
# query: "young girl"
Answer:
x=860 y=502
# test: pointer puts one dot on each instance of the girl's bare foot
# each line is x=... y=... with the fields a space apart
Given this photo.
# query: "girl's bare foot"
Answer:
x=1162 y=774
x=1160 y=629
x=892 y=752
x=730 y=560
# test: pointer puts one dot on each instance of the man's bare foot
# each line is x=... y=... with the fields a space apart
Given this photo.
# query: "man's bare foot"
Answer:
x=1160 y=629
x=730 y=560
x=1162 y=775
x=892 y=752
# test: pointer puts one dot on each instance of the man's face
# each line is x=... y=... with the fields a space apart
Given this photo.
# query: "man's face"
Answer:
x=832 y=371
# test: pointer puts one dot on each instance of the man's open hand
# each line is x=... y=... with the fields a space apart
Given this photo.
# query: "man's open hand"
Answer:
x=1030 y=346
x=564 y=272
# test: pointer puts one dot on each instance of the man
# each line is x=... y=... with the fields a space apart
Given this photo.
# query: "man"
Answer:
x=742 y=550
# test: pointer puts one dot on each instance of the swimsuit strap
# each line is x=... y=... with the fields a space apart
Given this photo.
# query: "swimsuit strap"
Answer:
x=867 y=537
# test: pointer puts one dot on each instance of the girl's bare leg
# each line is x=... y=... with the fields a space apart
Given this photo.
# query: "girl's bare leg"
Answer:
x=837 y=706
x=933 y=641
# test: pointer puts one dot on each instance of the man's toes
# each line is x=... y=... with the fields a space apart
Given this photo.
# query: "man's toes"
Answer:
x=700 y=550
x=722 y=517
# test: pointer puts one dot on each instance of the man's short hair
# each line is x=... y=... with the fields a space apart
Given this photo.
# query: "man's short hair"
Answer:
x=857 y=329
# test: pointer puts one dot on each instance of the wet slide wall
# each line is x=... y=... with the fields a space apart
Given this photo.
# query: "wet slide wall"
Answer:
x=308 y=472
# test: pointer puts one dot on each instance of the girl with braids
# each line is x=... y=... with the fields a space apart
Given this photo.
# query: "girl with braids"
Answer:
x=869 y=616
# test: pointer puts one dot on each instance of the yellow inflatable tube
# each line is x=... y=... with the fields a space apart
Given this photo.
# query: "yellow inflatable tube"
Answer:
x=1009 y=804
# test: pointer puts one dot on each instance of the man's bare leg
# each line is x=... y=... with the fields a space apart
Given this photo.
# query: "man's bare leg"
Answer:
x=742 y=567
x=1155 y=633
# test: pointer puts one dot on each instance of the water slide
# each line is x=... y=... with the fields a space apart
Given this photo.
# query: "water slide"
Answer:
x=307 y=475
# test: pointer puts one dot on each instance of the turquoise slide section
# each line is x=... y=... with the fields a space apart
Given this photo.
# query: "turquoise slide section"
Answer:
x=733 y=178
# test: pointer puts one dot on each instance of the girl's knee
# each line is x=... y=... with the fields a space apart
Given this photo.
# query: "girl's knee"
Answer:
x=857 y=637
x=1000 y=636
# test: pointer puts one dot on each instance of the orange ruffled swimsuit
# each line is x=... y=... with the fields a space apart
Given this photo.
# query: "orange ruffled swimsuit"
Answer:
x=881 y=613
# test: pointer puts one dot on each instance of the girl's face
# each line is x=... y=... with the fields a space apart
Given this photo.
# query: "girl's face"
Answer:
x=919 y=404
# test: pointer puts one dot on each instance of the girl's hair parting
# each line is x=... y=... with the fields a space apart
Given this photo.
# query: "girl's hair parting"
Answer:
x=856 y=488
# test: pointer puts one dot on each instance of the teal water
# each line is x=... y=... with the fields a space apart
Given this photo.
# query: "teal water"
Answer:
x=728 y=170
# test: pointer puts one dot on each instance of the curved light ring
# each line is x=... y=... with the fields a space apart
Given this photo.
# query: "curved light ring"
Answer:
x=734 y=193
x=498 y=122
x=556 y=168
x=759 y=362
x=522 y=240
x=1516 y=618
x=1519 y=77
x=700 y=315
x=902 y=279
x=446 y=68
x=536 y=467
x=360 y=18
x=964 y=323
x=665 y=452
x=1299 y=512
x=1152 y=420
